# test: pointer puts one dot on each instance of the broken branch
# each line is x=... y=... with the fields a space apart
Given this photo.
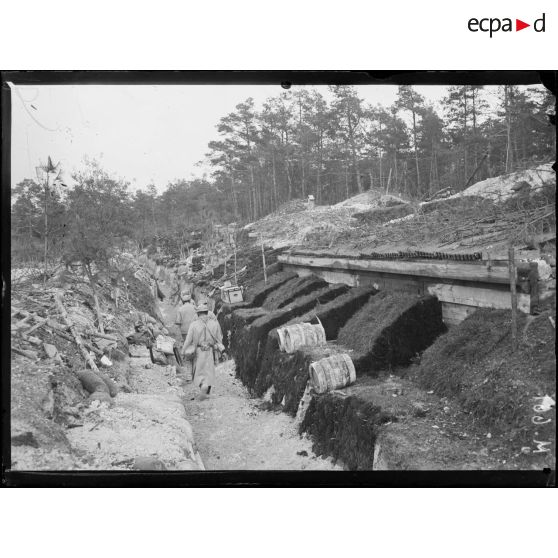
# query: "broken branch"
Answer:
x=77 y=337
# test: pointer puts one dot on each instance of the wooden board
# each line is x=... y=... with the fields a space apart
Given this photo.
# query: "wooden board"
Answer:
x=380 y=281
x=453 y=314
x=331 y=277
x=423 y=268
x=461 y=287
x=478 y=297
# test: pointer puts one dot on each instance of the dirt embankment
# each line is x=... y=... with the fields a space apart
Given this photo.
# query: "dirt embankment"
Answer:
x=423 y=399
x=516 y=207
x=471 y=403
x=475 y=364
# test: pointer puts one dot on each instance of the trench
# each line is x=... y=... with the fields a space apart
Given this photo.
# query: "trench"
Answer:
x=233 y=431
x=388 y=419
x=343 y=425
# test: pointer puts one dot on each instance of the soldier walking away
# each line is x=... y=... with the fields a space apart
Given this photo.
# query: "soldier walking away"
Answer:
x=180 y=282
x=185 y=315
x=204 y=343
x=183 y=274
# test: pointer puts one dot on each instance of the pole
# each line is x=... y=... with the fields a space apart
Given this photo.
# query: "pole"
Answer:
x=235 y=279
x=263 y=259
x=46 y=230
x=513 y=281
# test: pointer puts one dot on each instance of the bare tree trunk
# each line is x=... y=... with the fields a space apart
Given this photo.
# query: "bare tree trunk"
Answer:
x=155 y=229
x=46 y=230
x=302 y=159
x=303 y=179
x=250 y=210
x=253 y=192
x=395 y=164
x=436 y=171
x=289 y=181
x=319 y=193
x=234 y=197
x=274 y=196
x=405 y=179
x=415 y=142
x=508 y=129
x=353 y=152
x=319 y=180
x=416 y=155
x=475 y=156
x=431 y=177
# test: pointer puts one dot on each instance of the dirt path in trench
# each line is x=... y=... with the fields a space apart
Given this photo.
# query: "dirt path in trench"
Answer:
x=232 y=433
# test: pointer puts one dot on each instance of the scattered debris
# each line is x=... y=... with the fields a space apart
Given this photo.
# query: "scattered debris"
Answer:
x=50 y=350
x=105 y=361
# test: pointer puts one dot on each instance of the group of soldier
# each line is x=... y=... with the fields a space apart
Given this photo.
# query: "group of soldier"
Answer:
x=201 y=338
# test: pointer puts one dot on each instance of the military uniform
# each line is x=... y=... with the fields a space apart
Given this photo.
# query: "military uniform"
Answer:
x=205 y=340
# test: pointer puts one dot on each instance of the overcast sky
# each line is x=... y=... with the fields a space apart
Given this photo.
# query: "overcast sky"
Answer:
x=142 y=133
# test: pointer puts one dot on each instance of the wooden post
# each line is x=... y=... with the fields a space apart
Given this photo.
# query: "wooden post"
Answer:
x=46 y=231
x=235 y=279
x=263 y=260
x=513 y=281
x=389 y=180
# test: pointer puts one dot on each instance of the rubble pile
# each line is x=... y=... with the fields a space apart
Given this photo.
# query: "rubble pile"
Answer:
x=72 y=345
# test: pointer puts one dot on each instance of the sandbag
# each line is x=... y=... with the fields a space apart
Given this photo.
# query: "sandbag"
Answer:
x=112 y=387
x=165 y=344
x=158 y=357
x=101 y=396
x=117 y=354
x=92 y=382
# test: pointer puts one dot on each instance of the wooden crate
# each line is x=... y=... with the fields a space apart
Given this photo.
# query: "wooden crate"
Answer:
x=231 y=295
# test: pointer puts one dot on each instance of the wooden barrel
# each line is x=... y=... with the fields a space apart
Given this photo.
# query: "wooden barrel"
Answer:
x=295 y=336
x=332 y=372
